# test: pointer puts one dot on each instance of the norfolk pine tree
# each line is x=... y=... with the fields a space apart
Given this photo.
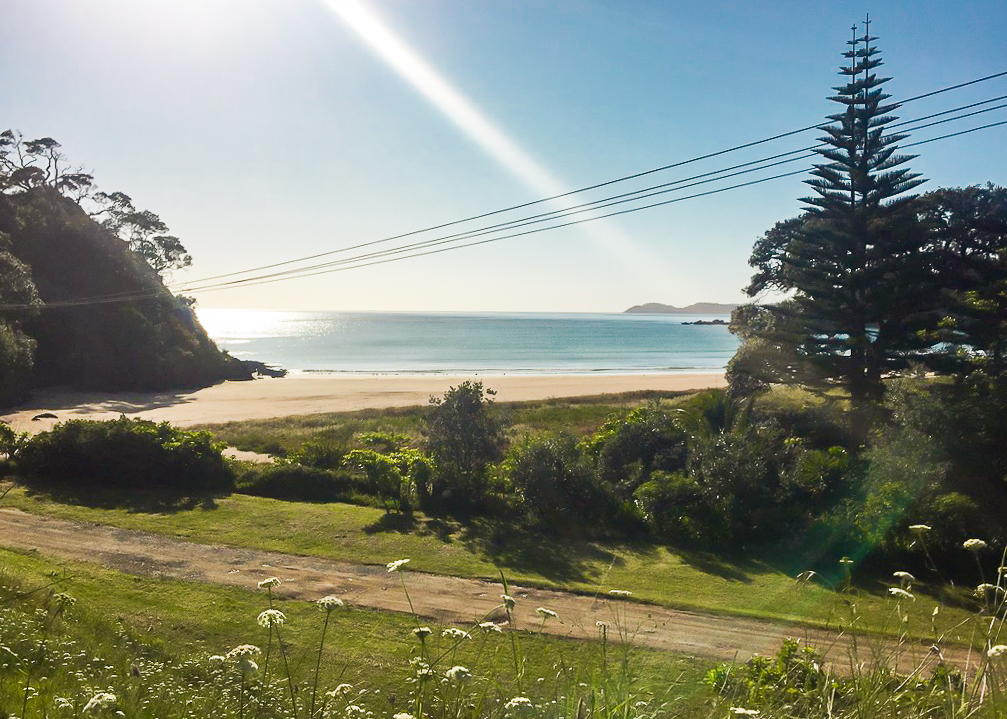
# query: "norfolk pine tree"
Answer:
x=852 y=265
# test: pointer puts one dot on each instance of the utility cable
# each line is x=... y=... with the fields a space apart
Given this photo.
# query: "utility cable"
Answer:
x=585 y=189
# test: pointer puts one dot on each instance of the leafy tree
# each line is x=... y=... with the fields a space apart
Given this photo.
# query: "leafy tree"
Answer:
x=34 y=163
x=143 y=231
x=967 y=249
x=464 y=437
x=859 y=290
x=18 y=300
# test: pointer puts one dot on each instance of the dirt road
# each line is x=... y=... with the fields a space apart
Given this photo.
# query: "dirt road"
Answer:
x=447 y=600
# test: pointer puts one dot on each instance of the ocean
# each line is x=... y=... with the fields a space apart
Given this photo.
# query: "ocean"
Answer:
x=471 y=343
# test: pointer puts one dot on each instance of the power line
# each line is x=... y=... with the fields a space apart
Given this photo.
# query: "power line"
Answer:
x=602 y=203
x=382 y=256
x=583 y=189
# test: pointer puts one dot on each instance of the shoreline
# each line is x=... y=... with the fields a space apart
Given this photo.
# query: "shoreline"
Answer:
x=314 y=393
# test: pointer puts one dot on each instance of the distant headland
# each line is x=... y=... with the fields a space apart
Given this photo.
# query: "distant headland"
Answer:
x=697 y=308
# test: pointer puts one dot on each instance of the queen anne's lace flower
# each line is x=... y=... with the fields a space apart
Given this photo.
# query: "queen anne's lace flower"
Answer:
x=900 y=593
x=455 y=633
x=544 y=613
x=101 y=700
x=996 y=651
x=330 y=602
x=269 y=583
x=974 y=544
x=519 y=703
x=422 y=632
x=904 y=576
x=490 y=627
x=396 y=565
x=919 y=527
x=508 y=600
x=458 y=674
x=271 y=618
x=620 y=592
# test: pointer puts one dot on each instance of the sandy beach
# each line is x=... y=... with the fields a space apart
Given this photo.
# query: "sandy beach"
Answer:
x=307 y=394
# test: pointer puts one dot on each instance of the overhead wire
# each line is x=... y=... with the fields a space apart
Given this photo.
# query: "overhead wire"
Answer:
x=602 y=203
x=589 y=187
x=382 y=256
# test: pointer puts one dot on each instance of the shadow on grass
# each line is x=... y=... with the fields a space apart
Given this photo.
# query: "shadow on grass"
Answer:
x=731 y=569
x=135 y=501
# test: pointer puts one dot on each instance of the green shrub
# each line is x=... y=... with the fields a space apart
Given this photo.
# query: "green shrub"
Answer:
x=126 y=454
x=626 y=449
x=556 y=484
x=296 y=483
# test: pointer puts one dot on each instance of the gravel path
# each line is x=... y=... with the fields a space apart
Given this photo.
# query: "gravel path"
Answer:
x=448 y=600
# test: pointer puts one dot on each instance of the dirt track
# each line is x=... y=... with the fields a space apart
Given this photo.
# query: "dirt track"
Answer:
x=447 y=600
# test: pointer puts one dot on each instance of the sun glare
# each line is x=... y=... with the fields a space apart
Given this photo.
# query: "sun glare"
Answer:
x=476 y=125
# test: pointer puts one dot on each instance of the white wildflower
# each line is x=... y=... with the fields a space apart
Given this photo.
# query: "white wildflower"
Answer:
x=620 y=592
x=243 y=650
x=742 y=712
x=455 y=633
x=340 y=691
x=328 y=603
x=403 y=715
x=271 y=618
x=422 y=632
x=490 y=627
x=545 y=613
x=921 y=528
x=900 y=593
x=974 y=544
x=996 y=651
x=519 y=703
x=846 y=561
x=396 y=565
x=101 y=700
x=904 y=576
x=458 y=674
x=269 y=583
x=508 y=600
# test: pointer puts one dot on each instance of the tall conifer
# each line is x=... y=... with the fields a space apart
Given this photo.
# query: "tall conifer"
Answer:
x=852 y=263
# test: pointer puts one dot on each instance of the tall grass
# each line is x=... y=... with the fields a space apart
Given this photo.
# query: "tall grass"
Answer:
x=58 y=659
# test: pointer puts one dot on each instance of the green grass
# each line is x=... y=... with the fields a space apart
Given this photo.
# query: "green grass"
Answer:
x=364 y=535
x=282 y=435
x=119 y=622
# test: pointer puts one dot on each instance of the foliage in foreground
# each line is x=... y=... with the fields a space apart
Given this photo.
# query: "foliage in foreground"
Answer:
x=60 y=660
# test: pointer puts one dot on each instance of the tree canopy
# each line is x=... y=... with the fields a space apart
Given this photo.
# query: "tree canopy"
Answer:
x=873 y=280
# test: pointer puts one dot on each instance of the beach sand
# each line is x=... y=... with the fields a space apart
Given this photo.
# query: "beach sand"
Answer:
x=308 y=394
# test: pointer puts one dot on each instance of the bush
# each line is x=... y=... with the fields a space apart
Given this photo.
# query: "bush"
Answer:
x=555 y=482
x=295 y=483
x=627 y=449
x=126 y=454
x=464 y=438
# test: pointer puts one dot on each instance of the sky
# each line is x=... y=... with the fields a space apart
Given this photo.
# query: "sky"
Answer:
x=264 y=131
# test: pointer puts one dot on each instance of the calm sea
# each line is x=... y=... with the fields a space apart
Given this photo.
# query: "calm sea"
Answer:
x=463 y=343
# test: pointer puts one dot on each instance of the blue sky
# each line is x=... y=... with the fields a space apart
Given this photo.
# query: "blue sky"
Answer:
x=262 y=131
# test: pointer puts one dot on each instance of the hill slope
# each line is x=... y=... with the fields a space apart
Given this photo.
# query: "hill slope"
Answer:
x=697 y=308
x=149 y=343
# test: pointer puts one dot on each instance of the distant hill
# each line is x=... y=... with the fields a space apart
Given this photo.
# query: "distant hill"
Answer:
x=697 y=308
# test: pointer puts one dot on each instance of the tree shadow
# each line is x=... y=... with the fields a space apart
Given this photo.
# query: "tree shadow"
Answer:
x=733 y=570
x=134 y=501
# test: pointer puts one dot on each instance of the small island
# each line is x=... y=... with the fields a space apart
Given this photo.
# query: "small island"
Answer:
x=717 y=321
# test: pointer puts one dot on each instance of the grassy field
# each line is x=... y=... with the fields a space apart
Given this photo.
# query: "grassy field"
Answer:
x=281 y=435
x=686 y=580
x=163 y=631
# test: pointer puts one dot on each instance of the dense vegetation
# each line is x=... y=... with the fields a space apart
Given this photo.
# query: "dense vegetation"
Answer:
x=82 y=302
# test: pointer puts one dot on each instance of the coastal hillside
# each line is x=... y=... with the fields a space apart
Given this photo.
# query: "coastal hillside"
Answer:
x=91 y=312
x=697 y=308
